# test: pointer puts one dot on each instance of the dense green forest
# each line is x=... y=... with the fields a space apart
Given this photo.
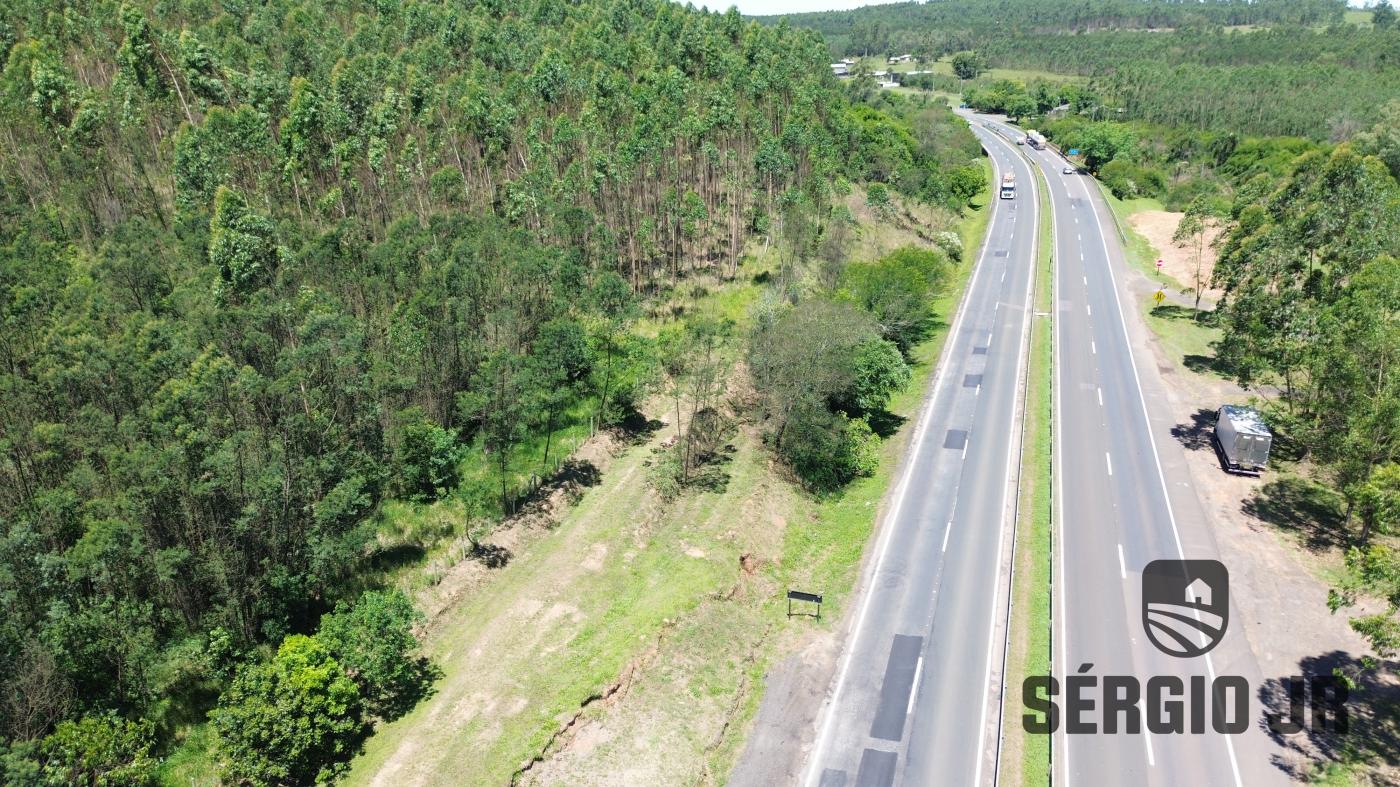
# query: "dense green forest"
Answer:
x=264 y=266
x=1264 y=68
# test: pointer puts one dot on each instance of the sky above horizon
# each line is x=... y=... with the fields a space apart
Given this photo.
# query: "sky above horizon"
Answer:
x=765 y=7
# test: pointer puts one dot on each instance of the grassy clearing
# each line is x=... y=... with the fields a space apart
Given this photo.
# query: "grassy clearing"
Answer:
x=1357 y=16
x=1188 y=341
x=192 y=762
x=944 y=67
x=1030 y=622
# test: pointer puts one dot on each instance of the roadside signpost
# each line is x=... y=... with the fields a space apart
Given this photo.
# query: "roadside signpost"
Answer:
x=1159 y=296
x=798 y=595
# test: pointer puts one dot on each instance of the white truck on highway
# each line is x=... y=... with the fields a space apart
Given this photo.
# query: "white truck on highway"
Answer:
x=1035 y=139
x=1008 y=186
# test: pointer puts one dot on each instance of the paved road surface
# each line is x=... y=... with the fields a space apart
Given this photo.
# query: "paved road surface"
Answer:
x=1124 y=501
x=909 y=704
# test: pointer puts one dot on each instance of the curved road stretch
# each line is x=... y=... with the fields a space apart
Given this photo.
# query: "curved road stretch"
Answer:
x=914 y=693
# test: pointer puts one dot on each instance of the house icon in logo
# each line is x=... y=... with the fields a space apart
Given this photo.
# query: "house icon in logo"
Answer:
x=1185 y=605
x=1198 y=592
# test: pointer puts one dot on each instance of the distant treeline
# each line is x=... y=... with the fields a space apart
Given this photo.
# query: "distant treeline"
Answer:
x=943 y=26
x=1305 y=73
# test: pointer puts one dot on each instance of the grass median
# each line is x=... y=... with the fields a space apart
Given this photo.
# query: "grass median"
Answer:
x=1026 y=758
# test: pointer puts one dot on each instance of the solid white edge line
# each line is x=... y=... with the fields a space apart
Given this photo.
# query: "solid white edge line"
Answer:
x=1156 y=459
x=1006 y=483
x=947 y=531
x=824 y=715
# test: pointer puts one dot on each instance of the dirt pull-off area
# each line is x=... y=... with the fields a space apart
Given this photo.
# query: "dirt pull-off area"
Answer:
x=1179 y=262
x=1282 y=540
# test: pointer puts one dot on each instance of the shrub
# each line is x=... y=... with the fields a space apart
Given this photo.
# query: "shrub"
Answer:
x=428 y=456
x=951 y=244
x=828 y=450
x=880 y=371
x=374 y=643
x=293 y=720
x=1128 y=180
x=103 y=751
x=898 y=290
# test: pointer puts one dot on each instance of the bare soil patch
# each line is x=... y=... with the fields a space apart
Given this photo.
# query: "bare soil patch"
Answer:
x=1178 y=262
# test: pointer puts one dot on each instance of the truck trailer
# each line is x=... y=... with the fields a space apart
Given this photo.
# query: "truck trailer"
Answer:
x=1242 y=439
x=1008 y=186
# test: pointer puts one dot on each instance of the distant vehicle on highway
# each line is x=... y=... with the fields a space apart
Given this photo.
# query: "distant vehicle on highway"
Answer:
x=1068 y=170
x=1020 y=140
x=1008 y=186
x=1242 y=439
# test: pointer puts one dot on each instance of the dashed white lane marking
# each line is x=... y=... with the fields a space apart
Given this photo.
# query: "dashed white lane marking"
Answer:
x=914 y=689
x=1092 y=349
x=1089 y=310
x=1100 y=392
x=1085 y=278
x=1109 y=460
x=1122 y=567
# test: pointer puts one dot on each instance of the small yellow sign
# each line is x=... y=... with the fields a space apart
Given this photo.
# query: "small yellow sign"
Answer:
x=1159 y=296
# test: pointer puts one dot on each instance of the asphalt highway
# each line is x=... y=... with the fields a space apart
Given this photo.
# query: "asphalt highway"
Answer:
x=1124 y=500
x=913 y=700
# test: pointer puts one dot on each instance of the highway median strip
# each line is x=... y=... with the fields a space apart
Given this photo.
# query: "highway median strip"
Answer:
x=1026 y=758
